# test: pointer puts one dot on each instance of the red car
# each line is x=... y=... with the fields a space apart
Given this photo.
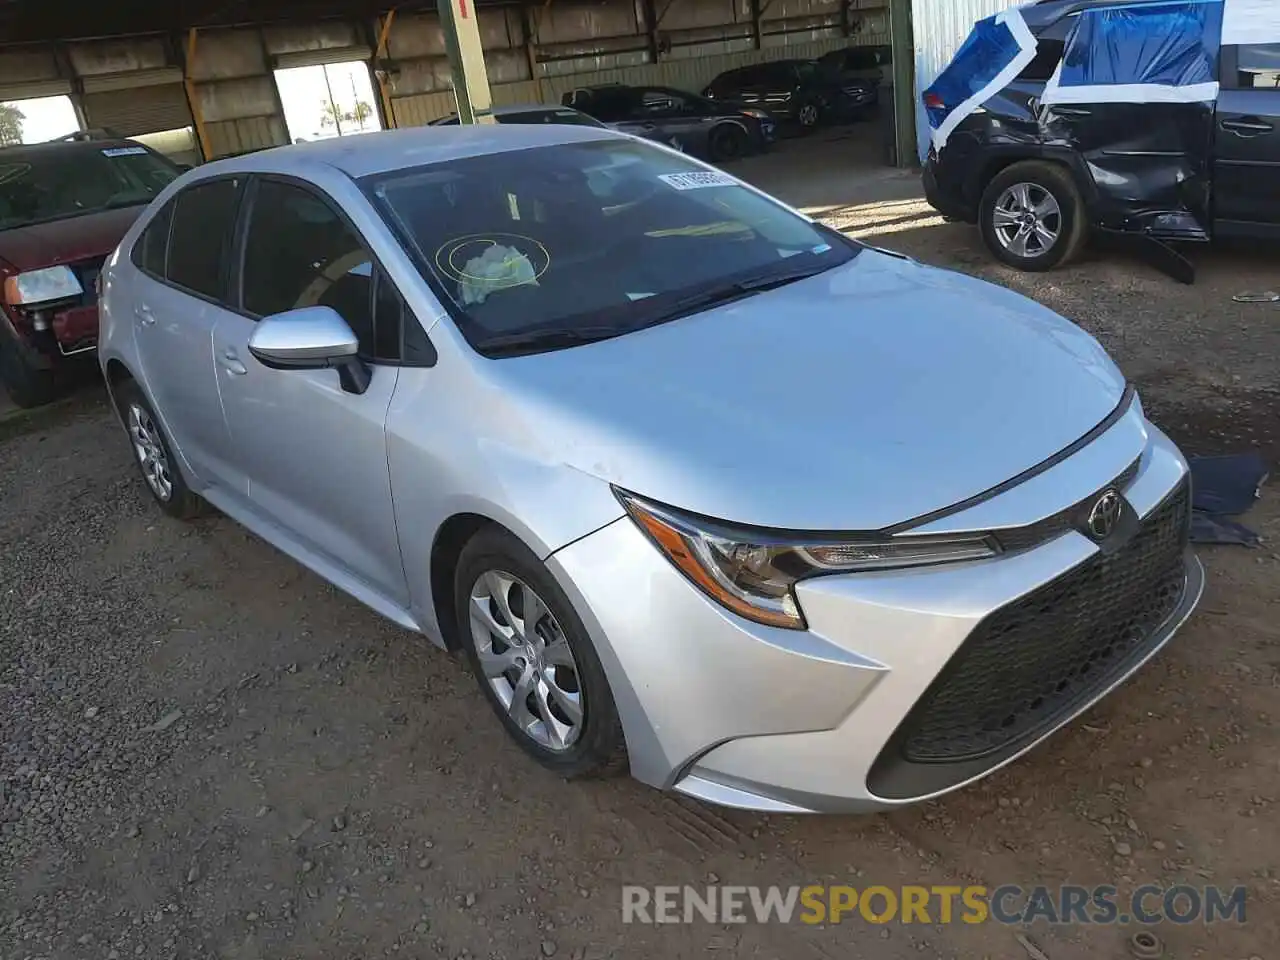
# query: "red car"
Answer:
x=63 y=208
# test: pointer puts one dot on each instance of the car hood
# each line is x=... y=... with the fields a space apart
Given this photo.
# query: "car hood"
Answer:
x=66 y=240
x=864 y=397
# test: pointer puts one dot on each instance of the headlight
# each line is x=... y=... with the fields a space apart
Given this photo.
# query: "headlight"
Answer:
x=753 y=573
x=755 y=114
x=41 y=286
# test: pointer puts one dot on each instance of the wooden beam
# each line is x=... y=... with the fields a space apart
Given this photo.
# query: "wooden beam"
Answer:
x=193 y=97
x=528 y=31
x=380 y=75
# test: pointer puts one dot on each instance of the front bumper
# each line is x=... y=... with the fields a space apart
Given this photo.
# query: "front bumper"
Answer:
x=882 y=701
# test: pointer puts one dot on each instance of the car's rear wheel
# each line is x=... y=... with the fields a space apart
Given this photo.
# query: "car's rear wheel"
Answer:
x=27 y=385
x=1032 y=216
x=727 y=142
x=533 y=659
x=154 y=455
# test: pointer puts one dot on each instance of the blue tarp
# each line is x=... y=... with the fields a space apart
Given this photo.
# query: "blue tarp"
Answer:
x=1169 y=44
x=990 y=48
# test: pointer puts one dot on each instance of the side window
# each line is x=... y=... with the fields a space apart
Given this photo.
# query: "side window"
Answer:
x=1049 y=54
x=201 y=233
x=299 y=253
x=388 y=317
x=148 y=253
x=397 y=333
x=1258 y=67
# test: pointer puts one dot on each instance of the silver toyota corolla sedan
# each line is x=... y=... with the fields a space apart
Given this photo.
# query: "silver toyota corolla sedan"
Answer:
x=701 y=487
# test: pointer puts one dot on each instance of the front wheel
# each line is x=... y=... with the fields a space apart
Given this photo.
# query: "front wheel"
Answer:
x=533 y=659
x=1033 y=217
x=28 y=386
x=809 y=115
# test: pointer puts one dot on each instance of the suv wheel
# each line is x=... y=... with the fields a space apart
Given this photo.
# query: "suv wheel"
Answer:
x=28 y=386
x=809 y=115
x=1032 y=216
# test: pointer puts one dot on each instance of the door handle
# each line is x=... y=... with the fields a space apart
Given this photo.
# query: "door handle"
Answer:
x=1072 y=111
x=230 y=361
x=144 y=315
x=1248 y=126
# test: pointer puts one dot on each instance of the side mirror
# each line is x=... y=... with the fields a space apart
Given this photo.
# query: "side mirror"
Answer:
x=311 y=338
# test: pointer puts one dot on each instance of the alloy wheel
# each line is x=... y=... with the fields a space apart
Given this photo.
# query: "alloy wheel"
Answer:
x=526 y=660
x=808 y=115
x=149 y=448
x=1027 y=220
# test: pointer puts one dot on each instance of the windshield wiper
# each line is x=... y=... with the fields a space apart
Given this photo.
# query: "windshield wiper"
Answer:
x=557 y=338
x=738 y=290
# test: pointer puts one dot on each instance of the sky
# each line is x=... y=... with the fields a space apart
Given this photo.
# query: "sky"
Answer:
x=47 y=118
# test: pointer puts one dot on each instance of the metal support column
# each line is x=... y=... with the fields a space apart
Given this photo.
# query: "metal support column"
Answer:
x=902 y=43
x=466 y=61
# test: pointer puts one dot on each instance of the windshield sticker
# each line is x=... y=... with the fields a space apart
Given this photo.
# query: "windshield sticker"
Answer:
x=123 y=151
x=696 y=181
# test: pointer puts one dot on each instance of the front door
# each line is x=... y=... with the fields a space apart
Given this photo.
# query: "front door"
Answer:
x=1247 y=142
x=315 y=456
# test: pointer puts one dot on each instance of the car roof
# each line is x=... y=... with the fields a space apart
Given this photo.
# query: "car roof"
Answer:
x=370 y=153
x=35 y=151
x=514 y=108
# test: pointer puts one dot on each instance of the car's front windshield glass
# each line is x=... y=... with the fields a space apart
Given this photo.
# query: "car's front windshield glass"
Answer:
x=39 y=186
x=580 y=236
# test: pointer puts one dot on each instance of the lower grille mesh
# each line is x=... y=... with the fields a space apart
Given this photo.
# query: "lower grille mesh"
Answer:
x=1029 y=663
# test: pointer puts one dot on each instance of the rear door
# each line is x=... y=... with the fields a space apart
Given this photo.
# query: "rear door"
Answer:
x=179 y=299
x=1246 y=184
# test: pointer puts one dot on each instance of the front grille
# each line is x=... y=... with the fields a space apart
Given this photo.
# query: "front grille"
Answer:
x=86 y=272
x=1030 y=663
x=1024 y=538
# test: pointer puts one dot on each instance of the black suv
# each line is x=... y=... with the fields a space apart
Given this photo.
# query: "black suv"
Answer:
x=799 y=91
x=692 y=124
x=1038 y=179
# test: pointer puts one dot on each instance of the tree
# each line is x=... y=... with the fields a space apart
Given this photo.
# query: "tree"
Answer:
x=11 y=119
x=332 y=115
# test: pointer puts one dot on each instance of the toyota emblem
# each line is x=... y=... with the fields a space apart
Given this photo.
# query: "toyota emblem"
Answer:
x=1105 y=515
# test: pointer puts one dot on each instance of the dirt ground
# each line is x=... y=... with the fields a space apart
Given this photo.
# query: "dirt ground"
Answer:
x=209 y=752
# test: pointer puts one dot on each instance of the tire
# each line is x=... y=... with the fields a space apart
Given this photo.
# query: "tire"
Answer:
x=727 y=142
x=809 y=116
x=173 y=495
x=26 y=385
x=1033 y=217
x=495 y=574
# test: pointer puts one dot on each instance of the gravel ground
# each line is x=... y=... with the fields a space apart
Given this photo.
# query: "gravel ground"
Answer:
x=206 y=751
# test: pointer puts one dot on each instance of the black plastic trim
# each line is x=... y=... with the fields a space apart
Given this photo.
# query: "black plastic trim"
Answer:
x=1114 y=417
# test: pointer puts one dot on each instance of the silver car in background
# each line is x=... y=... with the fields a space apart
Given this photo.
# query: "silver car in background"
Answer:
x=704 y=489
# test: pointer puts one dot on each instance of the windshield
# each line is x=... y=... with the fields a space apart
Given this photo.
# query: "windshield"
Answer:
x=55 y=184
x=584 y=236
